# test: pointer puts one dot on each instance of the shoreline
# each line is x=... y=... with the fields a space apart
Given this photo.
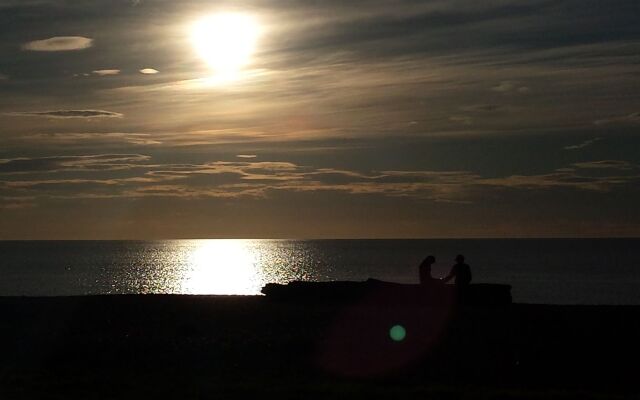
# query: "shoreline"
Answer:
x=254 y=296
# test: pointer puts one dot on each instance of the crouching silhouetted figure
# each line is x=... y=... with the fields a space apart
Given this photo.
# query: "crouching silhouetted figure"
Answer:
x=425 y=271
x=461 y=272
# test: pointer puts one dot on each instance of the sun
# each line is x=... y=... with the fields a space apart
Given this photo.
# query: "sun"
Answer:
x=226 y=42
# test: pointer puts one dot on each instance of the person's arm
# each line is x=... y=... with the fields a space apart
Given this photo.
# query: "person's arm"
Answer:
x=451 y=274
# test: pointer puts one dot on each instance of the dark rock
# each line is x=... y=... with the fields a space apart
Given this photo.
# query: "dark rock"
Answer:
x=481 y=294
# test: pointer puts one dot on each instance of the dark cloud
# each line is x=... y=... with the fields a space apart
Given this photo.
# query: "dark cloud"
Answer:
x=66 y=163
x=90 y=139
x=606 y=164
x=599 y=176
x=449 y=28
x=67 y=114
x=633 y=118
x=483 y=108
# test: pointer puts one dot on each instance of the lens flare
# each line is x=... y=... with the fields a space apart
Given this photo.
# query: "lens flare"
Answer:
x=397 y=333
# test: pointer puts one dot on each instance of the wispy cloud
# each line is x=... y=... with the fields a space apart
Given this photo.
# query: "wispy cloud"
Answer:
x=483 y=108
x=136 y=175
x=92 y=139
x=98 y=162
x=221 y=179
x=149 y=71
x=510 y=86
x=16 y=202
x=461 y=119
x=476 y=111
x=59 y=43
x=598 y=176
x=633 y=118
x=106 y=72
x=607 y=164
x=67 y=114
x=582 y=145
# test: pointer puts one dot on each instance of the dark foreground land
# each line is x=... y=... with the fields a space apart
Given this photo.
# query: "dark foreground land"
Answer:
x=193 y=347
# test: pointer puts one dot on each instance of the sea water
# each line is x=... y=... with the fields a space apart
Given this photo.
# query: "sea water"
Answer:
x=551 y=271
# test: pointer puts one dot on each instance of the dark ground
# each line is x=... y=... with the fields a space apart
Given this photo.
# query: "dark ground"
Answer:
x=192 y=347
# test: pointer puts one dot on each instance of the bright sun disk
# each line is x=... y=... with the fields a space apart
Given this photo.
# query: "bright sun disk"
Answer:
x=225 y=41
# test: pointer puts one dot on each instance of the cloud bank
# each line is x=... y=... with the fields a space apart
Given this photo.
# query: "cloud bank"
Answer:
x=137 y=175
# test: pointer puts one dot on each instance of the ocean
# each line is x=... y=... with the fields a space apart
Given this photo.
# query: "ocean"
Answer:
x=543 y=271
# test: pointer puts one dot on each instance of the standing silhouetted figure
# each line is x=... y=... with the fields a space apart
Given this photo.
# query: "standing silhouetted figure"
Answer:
x=461 y=271
x=425 y=271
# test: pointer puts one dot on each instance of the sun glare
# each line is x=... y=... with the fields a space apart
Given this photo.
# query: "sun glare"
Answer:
x=225 y=42
x=222 y=267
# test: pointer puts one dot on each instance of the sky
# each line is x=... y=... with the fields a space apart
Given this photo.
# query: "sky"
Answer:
x=337 y=119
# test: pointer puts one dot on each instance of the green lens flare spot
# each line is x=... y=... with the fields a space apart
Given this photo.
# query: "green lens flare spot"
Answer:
x=397 y=333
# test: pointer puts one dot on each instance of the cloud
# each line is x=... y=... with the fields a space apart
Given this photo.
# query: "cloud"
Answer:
x=98 y=162
x=149 y=71
x=583 y=144
x=132 y=175
x=106 y=72
x=246 y=156
x=59 y=43
x=67 y=114
x=606 y=164
x=476 y=111
x=633 y=118
x=483 y=108
x=92 y=138
x=136 y=176
x=461 y=119
x=510 y=86
x=16 y=202
x=599 y=176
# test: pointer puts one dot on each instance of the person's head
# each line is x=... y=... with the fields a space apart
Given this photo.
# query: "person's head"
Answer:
x=460 y=258
x=430 y=260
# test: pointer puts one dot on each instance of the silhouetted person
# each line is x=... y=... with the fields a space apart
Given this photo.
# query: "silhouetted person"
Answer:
x=425 y=271
x=460 y=271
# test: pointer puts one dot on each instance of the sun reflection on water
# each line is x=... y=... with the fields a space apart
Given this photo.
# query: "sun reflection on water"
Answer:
x=223 y=267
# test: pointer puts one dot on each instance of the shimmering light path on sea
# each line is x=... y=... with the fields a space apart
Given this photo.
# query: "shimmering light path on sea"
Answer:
x=235 y=266
x=553 y=271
